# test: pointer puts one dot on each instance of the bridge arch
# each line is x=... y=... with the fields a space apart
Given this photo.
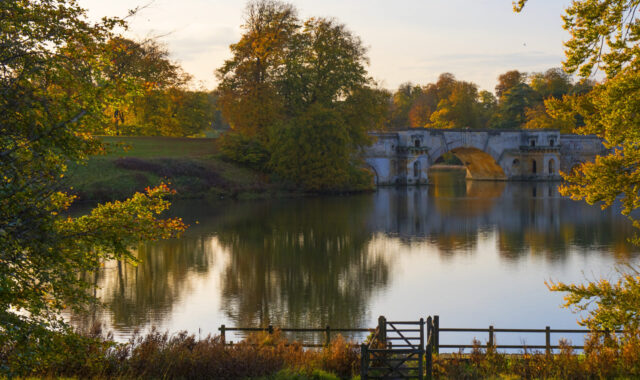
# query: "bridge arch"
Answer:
x=371 y=168
x=481 y=161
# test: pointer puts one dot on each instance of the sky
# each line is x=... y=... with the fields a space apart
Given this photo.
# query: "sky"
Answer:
x=407 y=40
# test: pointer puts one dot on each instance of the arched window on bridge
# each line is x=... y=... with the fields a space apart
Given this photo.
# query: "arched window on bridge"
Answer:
x=532 y=143
x=515 y=166
x=417 y=143
x=416 y=169
x=552 y=142
x=552 y=168
x=534 y=166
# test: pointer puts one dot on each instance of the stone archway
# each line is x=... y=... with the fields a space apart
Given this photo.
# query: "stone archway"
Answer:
x=374 y=173
x=477 y=156
x=480 y=164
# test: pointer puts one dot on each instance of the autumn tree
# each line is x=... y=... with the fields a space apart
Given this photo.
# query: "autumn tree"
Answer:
x=248 y=95
x=459 y=108
x=136 y=69
x=55 y=89
x=605 y=36
x=447 y=103
x=555 y=91
x=509 y=80
x=153 y=94
x=284 y=70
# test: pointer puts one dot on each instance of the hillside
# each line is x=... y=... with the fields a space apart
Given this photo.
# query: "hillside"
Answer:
x=192 y=166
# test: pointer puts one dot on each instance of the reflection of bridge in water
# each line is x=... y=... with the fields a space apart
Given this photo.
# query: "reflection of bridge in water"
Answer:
x=404 y=157
x=324 y=260
x=525 y=215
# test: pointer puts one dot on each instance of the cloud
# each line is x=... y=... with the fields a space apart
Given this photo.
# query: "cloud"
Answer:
x=480 y=68
x=195 y=42
x=518 y=59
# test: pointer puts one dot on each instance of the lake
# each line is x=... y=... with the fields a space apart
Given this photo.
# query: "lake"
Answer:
x=474 y=253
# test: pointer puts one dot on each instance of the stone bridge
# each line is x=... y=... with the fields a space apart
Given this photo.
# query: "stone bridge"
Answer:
x=404 y=157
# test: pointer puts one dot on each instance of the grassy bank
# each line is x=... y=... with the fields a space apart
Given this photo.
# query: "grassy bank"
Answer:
x=180 y=356
x=192 y=166
x=271 y=357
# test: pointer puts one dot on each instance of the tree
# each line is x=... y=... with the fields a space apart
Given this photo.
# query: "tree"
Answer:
x=554 y=83
x=512 y=106
x=153 y=97
x=54 y=91
x=509 y=80
x=459 y=109
x=298 y=157
x=137 y=70
x=448 y=103
x=555 y=93
x=605 y=34
x=313 y=68
x=617 y=303
x=247 y=93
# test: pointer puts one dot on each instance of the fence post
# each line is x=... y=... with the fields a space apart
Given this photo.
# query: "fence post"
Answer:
x=327 y=331
x=382 y=330
x=421 y=348
x=547 y=338
x=491 y=343
x=429 y=359
x=429 y=331
x=270 y=329
x=223 y=337
x=436 y=334
x=364 y=361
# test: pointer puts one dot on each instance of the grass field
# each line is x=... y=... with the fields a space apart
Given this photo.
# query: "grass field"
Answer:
x=191 y=165
x=155 y=147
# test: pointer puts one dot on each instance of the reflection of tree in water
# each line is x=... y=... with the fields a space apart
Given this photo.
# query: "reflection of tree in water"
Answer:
x=136 y=295
x=549 y=225
x=310 y=262
x=301 y=263
x=451 y=214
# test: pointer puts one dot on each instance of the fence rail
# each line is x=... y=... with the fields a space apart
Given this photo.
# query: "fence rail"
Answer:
x=434 y=329
x=414 y=347
x=327 y=330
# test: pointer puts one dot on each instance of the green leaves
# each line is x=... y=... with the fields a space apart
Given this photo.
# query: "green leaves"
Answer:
x=605 y=34
x=284 y=74
x=611 y=111
x=55 y=89
x=314 y=152
x=609 y=305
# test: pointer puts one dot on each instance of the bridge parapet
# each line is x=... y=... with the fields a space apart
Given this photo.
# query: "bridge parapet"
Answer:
x=404 y=157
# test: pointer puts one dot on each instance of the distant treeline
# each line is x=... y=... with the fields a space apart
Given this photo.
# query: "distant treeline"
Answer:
x=520 y=101
x=159 y=101
x=155 y=95
x=298 y=101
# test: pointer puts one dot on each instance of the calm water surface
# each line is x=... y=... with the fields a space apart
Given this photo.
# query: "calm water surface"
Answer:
x=475 y=253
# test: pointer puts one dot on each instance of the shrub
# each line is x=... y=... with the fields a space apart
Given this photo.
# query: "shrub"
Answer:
x=245 y=150
x=341 y=357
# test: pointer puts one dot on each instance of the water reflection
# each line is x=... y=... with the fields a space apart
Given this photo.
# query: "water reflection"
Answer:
x=301 y=263
x=317 y=261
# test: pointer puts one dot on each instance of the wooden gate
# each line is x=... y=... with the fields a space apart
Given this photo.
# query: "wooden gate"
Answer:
x=395 y=351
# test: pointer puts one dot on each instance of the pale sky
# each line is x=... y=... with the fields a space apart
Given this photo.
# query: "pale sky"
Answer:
x=407 y=40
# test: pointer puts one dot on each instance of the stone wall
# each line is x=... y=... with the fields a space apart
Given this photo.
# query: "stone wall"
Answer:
x=404 y=157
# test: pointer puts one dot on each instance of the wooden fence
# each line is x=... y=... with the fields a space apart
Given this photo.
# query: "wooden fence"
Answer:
x=395 y=351
x=434 y=330
x=327 y=332
x=381 y=358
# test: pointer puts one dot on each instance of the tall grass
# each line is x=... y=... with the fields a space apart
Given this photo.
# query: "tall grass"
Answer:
x=603 y=358
x=182 y=356
x=271 y=357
